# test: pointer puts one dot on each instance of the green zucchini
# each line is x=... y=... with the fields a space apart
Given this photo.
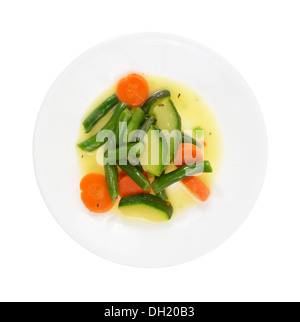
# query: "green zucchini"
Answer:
x=154 y=99
x=167 y=118
x=146 y=206
x=154 y=157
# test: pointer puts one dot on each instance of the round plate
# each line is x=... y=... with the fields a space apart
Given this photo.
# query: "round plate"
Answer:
x=196 y=231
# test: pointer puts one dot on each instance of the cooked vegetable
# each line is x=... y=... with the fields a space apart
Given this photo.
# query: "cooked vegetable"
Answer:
x=154 y=99
x=121 y=127
x=154 y=157
x=146 y=206
x=128 y=187
x=145 y=127
x=140 y=168
x=132 y=90
x=183 y=172
x=197 y=128
x=92 y=143
x=188 y=153
x=121 y=174
x=123 y=151
x=196 y=187
x=131 y=156
x=135 y=175
x=134 y=124
x=150 y=175
x=162 y=195
x=99 y=112
x=187 y=139
x=95 y=194
x=111 y=175
x=167 y=119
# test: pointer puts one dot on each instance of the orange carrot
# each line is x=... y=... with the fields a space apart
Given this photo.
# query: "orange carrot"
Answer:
x=196 y=187
x=132 y=90
x=188 y=153
x=121 y=174
x=95 y=195
x=128 y=187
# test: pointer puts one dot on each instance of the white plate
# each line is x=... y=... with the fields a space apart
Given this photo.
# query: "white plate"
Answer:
x=193 y=233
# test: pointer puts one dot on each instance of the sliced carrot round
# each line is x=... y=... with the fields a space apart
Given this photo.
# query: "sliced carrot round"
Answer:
x=90 y=179
x=95 y=194
x=128 y=187
x=188 y=153
x=132 y=90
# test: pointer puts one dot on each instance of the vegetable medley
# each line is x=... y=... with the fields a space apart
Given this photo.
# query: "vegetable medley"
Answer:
x=142 y=137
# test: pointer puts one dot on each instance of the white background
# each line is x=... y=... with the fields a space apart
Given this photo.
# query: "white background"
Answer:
x=39 y=262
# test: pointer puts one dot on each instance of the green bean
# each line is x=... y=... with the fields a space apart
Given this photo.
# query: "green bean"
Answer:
x=124 y=118
x=139 y=167
x=136 y=176
x=145 y=127
x=94 y=142
x=135 y=122
x=111 y=173
x=123 y=151
x=99 y=112
x=187 y=139
x=147 y=124
x=183 y=172
x=163 y=195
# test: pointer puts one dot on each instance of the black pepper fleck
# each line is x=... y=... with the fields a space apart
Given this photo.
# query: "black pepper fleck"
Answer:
x=161 y=104
x=179 y=95
x=98 y=205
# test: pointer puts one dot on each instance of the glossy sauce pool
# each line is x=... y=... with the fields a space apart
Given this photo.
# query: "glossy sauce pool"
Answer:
x=194 y=112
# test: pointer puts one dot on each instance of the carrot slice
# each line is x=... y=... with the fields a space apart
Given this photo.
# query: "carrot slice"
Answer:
x=121 y=174
x=188 y=153
x=95 y=195
x=128 y=187
x=196 y=187
x=132 y=90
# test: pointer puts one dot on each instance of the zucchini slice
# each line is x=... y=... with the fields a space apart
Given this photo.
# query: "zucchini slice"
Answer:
x=155 y=154
x=146 y=206
x=154 y=99
x=167 y=118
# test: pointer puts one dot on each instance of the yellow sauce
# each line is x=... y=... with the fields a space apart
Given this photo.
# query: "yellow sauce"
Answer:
x=194 y=112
